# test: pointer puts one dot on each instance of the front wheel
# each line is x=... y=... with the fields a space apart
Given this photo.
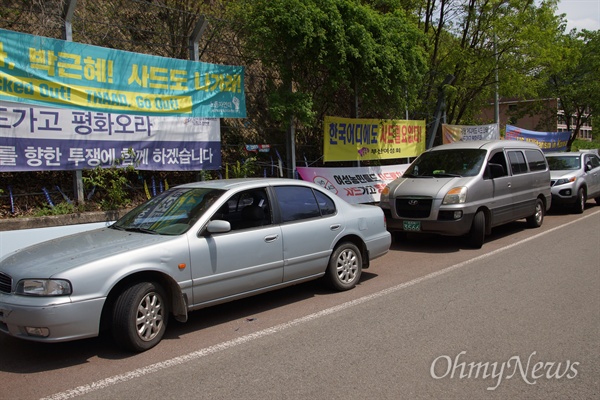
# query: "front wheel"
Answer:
x=535 y=220
x=477 y=233
x=345 y=267
x=140 y=316
x=579 y=205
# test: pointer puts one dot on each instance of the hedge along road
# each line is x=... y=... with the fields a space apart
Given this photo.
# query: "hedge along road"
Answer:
x=528 y=296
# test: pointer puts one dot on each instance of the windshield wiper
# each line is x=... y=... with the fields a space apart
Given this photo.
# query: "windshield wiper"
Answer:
x=416 y=176
x=449 y=175
x=142 y=230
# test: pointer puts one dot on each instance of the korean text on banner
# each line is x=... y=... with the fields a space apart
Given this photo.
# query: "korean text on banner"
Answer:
x=35 y=138
x=547 y=141
x=57 y=73
x=349 y=139
x=457 y=133
x=355 y=184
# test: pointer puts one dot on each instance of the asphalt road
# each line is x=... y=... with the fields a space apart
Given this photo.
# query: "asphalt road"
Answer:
x=433 y=319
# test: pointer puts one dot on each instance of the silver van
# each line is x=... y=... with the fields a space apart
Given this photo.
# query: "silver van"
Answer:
x=467 y=188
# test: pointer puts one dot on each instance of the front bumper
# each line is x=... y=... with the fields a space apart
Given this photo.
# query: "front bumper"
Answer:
x=564 y=194
x=447 y=227
x=62 y=321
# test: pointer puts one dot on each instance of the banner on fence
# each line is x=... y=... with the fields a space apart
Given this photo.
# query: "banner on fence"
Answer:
x=58 y=73
x=354 y=184
x=457 y=133
x=35 y=138
x=547 y=141
x=350 y=139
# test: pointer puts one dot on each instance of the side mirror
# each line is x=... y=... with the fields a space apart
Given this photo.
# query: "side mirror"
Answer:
x=495 y=170
x=218 y=226
x=588 y=166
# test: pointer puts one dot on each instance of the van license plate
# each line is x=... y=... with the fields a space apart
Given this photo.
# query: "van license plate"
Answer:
x=411 y=226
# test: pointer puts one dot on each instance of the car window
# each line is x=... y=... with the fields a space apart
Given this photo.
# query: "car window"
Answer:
x=517 y=162
x=248 y=209
x=326 y=204
x=171 y=213
x=592 y=160
x=299 y=202
x=536 y=160
x=500 y=159
x=560 y=163
x=449 y=162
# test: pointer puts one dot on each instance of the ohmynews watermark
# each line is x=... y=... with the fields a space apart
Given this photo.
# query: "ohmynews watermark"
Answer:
x=530 y=371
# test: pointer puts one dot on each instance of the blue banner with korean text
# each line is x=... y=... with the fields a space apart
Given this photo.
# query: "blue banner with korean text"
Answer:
x=34 y=138
x=56 y=73
x=547 y=141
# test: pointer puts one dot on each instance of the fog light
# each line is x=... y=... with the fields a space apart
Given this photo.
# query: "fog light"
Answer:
x=39 y=332
x=458 y=214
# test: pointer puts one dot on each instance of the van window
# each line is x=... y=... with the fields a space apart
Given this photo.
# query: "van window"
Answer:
x=499 y=158
x=517 y=162
x=447 y=163
x=536 y=160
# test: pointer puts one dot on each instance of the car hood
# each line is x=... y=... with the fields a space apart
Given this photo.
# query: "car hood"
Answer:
x=426 y=187
x=557 y=174
x=48 y=258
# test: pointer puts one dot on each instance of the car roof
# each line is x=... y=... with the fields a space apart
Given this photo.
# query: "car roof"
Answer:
x=488 y=145
x=565 y=154
x=242 y=183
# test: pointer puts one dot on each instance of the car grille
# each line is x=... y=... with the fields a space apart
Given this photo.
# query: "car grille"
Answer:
x=413 y=207
x=5 y=283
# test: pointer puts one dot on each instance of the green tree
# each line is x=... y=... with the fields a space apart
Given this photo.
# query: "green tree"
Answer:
x=477 y=40
x=574 y=79
x=335 y=57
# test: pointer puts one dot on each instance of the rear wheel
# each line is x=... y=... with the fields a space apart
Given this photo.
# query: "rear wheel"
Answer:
x=579 y=205
x=140 y=316
x=345 y=267
x=535 y=220
x=477 y=233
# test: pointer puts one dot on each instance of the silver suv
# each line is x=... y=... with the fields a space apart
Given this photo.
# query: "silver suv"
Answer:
x=575 y=178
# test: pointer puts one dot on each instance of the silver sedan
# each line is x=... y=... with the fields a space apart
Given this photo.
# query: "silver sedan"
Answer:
x=193 y=246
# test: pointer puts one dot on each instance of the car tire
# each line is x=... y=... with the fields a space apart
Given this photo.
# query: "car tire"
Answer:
x=477 y=233
x=597 y=200
x=579 y=205
x=140 y=316
x=536 y=220
x=345 y=267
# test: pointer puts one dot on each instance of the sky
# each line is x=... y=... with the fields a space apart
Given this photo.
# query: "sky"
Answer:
x=581 y=14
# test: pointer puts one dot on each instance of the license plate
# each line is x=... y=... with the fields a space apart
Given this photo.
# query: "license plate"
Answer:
x=411 y=226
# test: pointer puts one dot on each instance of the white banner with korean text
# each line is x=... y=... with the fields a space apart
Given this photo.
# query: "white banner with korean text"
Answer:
x=36 y=138
x=354 y=184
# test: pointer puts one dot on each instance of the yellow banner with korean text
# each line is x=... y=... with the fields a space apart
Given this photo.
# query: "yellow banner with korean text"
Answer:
x=357 y=139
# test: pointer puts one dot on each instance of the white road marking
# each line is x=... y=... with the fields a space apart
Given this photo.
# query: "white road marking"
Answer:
x=104 y=383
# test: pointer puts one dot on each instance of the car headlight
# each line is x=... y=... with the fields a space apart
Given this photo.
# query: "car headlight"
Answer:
x=44 y=287
x=457 y=195
x=385 y=195
x=565 y=180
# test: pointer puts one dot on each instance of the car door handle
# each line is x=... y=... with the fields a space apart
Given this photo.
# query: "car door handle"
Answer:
x=271 y=238
x=335 y=227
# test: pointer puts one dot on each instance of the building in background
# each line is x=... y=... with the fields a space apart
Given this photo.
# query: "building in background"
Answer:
x=544 y=115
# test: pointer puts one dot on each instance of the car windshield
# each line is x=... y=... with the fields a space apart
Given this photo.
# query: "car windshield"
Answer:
x=447 y=163
x=170 y=213
x=561 y=163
